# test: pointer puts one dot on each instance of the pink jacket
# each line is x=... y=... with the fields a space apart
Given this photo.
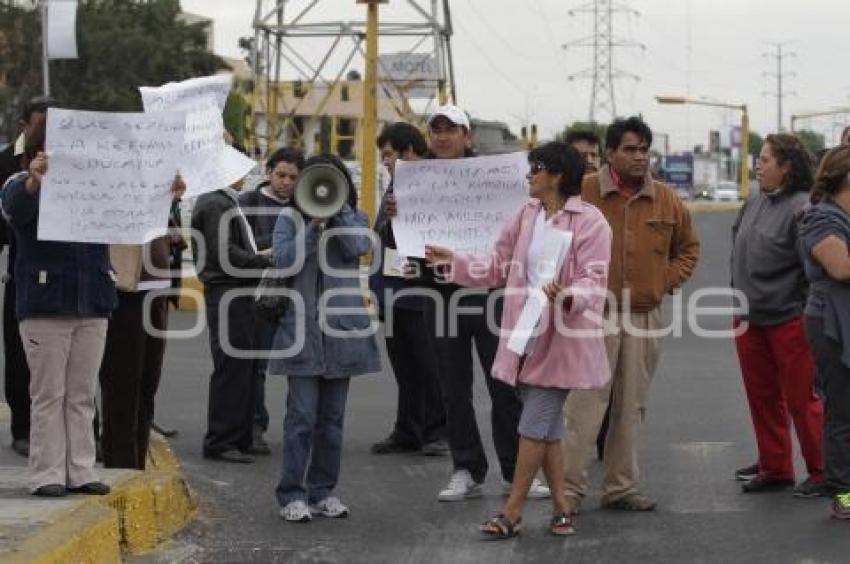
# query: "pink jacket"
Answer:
x=559 y=358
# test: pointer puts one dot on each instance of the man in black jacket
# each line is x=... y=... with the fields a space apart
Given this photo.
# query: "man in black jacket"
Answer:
x=227 y=268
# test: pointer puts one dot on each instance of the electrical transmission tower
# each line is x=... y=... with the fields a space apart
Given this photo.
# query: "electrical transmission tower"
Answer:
x=306 y=63
x=604 y=42
x=780 y=74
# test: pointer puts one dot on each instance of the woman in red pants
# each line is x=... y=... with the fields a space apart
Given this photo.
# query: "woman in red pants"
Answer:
x=776 y=363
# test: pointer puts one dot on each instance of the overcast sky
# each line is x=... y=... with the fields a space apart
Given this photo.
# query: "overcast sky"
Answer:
x=510 y=66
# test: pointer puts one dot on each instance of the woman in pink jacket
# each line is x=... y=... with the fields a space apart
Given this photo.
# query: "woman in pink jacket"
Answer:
x=566 y=350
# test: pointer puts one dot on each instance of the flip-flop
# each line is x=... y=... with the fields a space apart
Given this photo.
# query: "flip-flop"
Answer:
x=499 y=527
x=562 y=525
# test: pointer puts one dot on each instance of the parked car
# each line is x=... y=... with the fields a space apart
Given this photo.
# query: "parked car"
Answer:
x=725 y=191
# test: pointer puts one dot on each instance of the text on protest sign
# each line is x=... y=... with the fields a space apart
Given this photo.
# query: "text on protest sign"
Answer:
x=109 y=175
x=185 y=95
x=462 y=204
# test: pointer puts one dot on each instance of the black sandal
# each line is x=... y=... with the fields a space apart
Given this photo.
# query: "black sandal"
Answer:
x=499 y=527
x=562 y=525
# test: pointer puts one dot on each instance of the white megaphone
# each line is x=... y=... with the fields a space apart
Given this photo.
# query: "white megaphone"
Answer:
x=321 y=191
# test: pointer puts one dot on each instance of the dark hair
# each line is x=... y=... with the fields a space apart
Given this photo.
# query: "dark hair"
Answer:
x=333 y=160
x=39 y=104
x=787 y=148
x=561 y=158
x=574 y=135
x=285 y=155
x=634 y=124
x=844 y=131
x=833 y=174
x=402 y=136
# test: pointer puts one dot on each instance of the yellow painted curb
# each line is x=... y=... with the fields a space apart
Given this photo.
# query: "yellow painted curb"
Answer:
x=709 y=207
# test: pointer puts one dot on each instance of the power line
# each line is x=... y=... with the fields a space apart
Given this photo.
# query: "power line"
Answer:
x=604 y=42
x=778 y=56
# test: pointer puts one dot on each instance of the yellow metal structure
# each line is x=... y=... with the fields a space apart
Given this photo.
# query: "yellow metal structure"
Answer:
x=824 y=113
x=368 y=154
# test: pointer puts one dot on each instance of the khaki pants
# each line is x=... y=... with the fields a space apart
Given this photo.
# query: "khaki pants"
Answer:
x=633 y=359
x=64 y=357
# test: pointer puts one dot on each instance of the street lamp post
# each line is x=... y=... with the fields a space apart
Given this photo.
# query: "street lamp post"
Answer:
x=744 y=186
x=832 y=112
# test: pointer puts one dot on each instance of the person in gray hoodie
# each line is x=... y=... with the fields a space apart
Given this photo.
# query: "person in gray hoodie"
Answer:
x=824 y=239
x=776 y=363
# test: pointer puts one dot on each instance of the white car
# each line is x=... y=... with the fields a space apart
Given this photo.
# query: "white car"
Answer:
x=725 y=192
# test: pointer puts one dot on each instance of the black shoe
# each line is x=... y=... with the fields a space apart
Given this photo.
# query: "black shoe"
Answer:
x=91 y=488
x=164 y=431
x=762 y=484
x=747 y=473
x=50 y=490
x=812 y=488
x=439 y=447
x=231 y=455
x=391 y=446
x=258 y=443
x=22 y=447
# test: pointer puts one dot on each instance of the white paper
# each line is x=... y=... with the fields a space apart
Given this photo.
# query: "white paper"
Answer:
x=462 y=204
x=187 y=95
x=394 y=263
x=556 y=246
x=109 y=175
x=62 y=29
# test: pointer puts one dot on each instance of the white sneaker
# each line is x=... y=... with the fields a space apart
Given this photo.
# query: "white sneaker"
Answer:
x=330 y=507
x=461 y=486
x=296 y=512
x=536 y=491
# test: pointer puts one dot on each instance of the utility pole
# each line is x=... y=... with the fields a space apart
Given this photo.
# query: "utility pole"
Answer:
x=603 y=41
x=778 y=56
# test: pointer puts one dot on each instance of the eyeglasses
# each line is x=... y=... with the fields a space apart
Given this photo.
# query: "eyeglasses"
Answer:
x=536 y=167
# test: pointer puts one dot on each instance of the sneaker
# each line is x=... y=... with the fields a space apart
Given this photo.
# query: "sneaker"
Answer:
x=330 y=507
x=761 y=484
x=631 y=502
x=391 y=446
x=747 y=473
x=296 y=512
x=811 y=488
x=841 y=506
x=461 y=486
x=536 y=491
x=440 y=447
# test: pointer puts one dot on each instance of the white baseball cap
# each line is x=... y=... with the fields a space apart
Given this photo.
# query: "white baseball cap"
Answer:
x=452 y=113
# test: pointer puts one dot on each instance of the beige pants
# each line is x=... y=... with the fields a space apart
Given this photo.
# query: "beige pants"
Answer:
x=64 y=357
x=633 y=358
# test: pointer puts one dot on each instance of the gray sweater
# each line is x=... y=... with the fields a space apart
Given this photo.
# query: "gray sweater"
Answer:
x=765 y=261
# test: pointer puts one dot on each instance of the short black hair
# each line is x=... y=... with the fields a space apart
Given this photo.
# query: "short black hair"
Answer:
x=285 y=155
x=574 y=135
x=561 y=158
x=634 y=124
x=402 y=136
x=335 y=161
x=39 y=105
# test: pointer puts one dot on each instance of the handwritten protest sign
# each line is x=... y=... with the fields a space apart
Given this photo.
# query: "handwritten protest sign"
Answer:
x=461 y=204
x=206 y=162
x=109 y=175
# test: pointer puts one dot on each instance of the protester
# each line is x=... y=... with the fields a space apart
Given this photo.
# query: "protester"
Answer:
x=420 y=421
x=17 y=374
x=332 y=340
x=586 y=143
x=262 y=206
x=824 y=235
x=655 y=250
x=228 y=269
x=450 y=138
x=568 y=351
x=776 y=362
x=132 y=359
x=65 y=295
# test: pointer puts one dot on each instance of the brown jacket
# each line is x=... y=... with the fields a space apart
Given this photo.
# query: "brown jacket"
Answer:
x=655 y=247
x=127 y=261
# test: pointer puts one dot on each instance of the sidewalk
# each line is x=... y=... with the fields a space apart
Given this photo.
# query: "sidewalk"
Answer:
x=143 y=510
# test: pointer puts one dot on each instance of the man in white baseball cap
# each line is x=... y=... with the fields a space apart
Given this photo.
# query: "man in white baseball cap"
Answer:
x=449 y=132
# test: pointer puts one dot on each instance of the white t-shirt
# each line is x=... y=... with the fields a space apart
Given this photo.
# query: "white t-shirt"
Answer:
x=535 y=267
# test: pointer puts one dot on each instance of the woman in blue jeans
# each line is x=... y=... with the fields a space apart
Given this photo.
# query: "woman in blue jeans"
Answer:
x=323 y=339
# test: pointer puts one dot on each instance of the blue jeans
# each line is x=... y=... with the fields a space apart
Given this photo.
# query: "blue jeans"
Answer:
x=312 y=438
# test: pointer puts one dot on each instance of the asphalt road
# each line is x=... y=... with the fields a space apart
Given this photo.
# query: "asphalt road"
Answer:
x=697 y=432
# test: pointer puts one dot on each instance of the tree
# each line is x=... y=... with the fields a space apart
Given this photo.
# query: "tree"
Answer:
x=237 y=110
x=811 y=140
x=756 y=141
x=122 y=44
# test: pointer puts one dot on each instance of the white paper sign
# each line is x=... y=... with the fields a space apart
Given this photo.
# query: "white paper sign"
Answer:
x=62 y=29
x=207 y=162
x=556 y=245
x=109 y=175
x=462 y=204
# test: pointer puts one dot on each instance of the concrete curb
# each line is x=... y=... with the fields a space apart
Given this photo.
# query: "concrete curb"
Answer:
x=143 y=510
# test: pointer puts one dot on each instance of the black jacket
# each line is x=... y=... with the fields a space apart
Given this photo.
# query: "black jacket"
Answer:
x=206 y=217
